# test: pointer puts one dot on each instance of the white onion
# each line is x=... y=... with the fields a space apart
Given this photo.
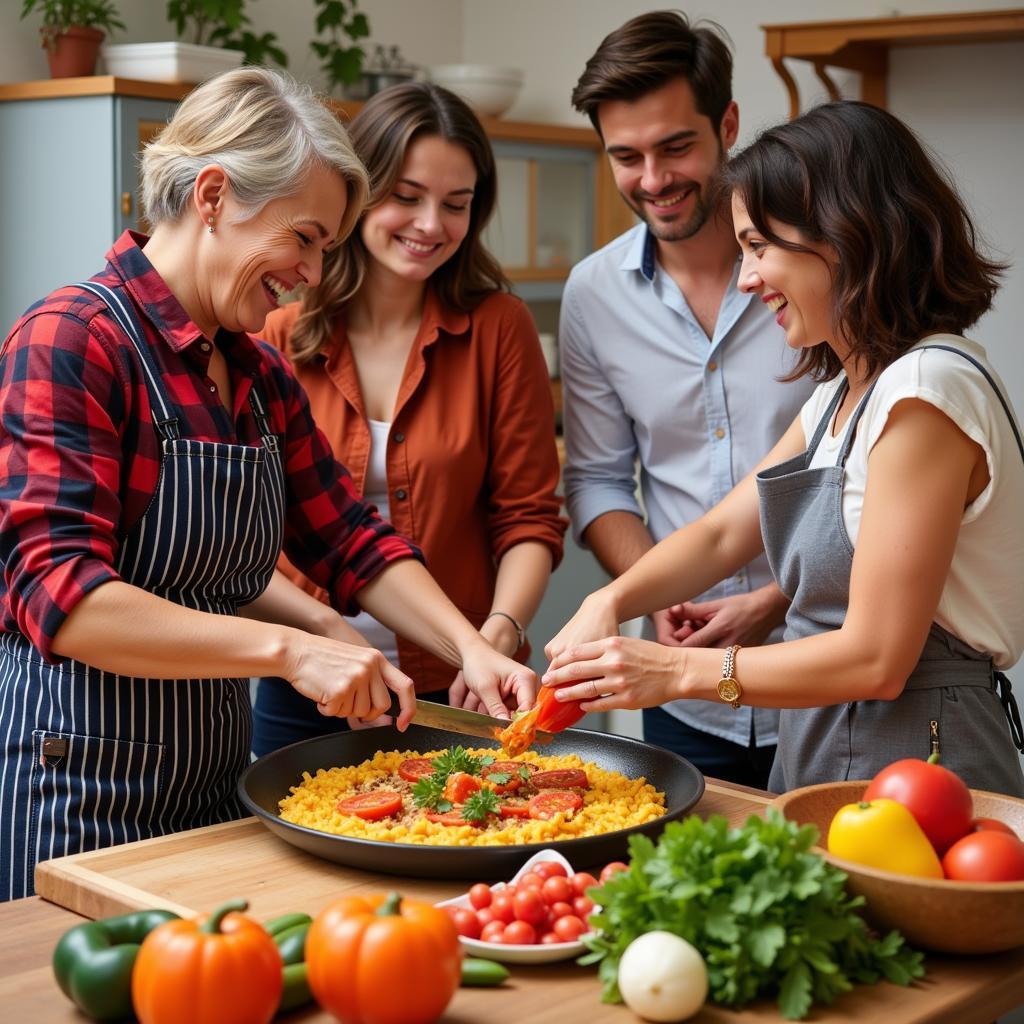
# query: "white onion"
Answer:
x=662 y=977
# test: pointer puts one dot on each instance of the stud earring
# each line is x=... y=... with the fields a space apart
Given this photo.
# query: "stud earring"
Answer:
x=210 y=221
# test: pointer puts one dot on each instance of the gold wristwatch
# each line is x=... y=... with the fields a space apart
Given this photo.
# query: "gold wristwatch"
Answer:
x=729 y=689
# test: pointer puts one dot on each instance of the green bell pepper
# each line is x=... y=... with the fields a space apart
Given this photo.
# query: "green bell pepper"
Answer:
x=93 y=961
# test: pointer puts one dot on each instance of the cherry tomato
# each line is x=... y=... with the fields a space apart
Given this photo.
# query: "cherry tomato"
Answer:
x=415 y=768
x=544 y=806
x=503 y=908
x=992 y=825
x=557 y=889
x=492 y=932
x=466 y=923
x=582 y=906
x=937 y=798
x=582 y=881
x=480 y=896
x=459 y=786
x=529 y=906
x=560 y=909
x=531 y=880
x=519 y=933
x=563 y=778
x=569 y=928
x=549 y=869
x=612 y=869
x=486 y=915
x=548 y=937
x=372 y=805
x=985 y=857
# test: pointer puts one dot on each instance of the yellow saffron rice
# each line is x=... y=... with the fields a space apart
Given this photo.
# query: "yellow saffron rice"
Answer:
x=612 y=802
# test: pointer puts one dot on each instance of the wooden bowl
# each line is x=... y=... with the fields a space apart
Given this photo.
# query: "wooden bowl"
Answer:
x=950 y=917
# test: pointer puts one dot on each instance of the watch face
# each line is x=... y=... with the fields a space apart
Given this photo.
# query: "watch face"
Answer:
x=728 y=689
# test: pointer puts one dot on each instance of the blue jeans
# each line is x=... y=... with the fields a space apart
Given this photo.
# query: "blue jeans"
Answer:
x=281 y=716
x=715 y=757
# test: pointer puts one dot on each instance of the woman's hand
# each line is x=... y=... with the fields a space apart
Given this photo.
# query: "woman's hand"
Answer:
x=502 y=636
x=618 y=672
x=497 y=684
x=595 y=619
x=348 y=679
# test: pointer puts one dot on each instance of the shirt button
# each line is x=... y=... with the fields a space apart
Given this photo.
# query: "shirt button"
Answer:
x=399 y=437
x=712 y=366
x=401 y=494
x=213 y=388
x=719 y=433
x=205 y=346
x=739 y=577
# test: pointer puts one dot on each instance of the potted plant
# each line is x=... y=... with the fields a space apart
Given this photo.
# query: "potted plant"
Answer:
x=340 y=54
x=72 y=31
x=224 y=23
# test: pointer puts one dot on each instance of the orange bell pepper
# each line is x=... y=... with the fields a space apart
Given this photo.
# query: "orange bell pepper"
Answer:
x=226 y=970
x=383 y=960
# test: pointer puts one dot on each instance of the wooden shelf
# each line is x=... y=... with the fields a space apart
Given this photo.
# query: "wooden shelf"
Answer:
x=93 y=85
x=863 y=45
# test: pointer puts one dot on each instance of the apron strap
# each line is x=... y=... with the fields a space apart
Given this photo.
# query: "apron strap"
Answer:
x=124 y=315
x=1004 y=690
x=826 y=419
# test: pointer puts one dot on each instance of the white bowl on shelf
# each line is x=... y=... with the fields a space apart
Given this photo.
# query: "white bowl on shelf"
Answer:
x=169 y=61
x=538 y=953
x=489 y=89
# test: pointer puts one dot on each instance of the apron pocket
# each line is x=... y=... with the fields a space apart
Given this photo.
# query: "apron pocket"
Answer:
x=89 y=792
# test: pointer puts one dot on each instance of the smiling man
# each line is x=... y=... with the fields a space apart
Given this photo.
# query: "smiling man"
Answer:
x=667 y=366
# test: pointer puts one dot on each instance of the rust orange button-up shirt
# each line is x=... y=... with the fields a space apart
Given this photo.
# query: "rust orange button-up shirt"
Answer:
x=471 y=461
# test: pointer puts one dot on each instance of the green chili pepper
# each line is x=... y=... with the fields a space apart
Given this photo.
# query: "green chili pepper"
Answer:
x=93 y=961
x=281 y=924
x=296 y=991
x=482 y=972
x=291 y=944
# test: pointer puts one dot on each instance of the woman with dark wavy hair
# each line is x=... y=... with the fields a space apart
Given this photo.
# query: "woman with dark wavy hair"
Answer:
x=428 y=379
x=889 y=510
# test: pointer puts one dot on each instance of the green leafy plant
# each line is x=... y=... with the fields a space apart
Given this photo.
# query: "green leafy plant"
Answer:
x=224 y=23
x=60 y=15
x=769 y=916
x=340 y=54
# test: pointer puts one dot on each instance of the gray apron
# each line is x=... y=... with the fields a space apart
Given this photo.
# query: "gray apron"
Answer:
x=953 y=702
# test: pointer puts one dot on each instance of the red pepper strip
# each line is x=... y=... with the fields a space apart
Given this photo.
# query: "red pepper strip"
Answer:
x=548 y=715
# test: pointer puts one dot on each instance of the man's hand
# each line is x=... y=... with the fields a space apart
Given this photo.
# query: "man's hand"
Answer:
x=744 y=619
x=666 y=627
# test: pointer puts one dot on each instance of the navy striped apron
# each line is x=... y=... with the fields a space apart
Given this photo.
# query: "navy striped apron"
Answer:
x=92 y=758
x=955 y=703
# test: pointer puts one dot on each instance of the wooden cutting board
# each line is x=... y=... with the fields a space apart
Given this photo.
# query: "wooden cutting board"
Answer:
x=191 y=872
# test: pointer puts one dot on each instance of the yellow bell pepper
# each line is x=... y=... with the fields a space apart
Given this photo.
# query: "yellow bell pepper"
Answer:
x=883 y=834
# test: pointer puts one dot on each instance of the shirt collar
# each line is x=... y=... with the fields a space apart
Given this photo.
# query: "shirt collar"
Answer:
x=127 y=260
x=641 y=254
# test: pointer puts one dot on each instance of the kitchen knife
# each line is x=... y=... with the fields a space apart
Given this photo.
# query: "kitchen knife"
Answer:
x=432 y=715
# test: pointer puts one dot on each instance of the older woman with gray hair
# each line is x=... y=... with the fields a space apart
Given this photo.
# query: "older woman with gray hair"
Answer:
x=154 y=462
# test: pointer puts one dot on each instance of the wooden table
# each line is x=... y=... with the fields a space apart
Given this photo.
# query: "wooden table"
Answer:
x=208 y=865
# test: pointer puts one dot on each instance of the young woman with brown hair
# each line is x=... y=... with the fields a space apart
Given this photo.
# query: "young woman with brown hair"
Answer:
x=889 y=510
x=428 y=379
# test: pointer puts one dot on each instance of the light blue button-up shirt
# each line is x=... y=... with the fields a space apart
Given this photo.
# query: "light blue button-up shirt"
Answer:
x=642 y=382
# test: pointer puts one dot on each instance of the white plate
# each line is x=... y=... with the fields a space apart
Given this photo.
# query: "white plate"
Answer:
x=536 y=953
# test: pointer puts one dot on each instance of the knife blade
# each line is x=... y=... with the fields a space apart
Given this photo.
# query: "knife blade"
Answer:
x=432 y=715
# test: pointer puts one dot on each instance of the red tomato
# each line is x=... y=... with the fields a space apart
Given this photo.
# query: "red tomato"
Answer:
x=582 y=906
x=486 y=915
x=985 y=857
x=936 y=797
x=492 y=932
x=514 y=810
x=529 y=906
x=560 y=909
x=563 y=778
x=459 y=786
x=503 y=908
x=992 y=825
x=372 y=805
x=451 y=818
x=557 y=889
x=545 y=806
x=548 y=937
x=582 y=881
x=509 y=768
x=612 y=869
x=415 y=768
x=480 y=896
x=466 y=923
x=569 y=928
x=531 y=880
x=549 y=869
x=519 y=933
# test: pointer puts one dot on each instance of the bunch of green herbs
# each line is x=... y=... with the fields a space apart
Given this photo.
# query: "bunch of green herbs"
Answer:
x=770 y=917
x=428 y=793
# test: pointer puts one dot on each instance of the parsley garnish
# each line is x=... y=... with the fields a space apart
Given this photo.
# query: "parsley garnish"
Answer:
x=458 y=759
x=769 y=916
x=429 y=793
x=498 y=778
x=480 y=804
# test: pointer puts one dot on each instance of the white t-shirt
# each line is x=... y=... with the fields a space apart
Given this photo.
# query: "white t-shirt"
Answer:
x=982 y=602
x=375 y=490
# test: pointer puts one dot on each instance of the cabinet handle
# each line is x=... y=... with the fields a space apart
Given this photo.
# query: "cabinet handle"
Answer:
x=126 y=203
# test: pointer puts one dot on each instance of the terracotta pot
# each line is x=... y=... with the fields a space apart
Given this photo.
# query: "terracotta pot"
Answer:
x=73 y=52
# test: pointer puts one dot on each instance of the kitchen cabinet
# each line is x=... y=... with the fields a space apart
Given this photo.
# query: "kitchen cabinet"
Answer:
x=69 y=178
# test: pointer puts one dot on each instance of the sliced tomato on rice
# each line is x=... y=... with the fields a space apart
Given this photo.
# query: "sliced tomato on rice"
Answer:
x=372 y=805
x=544 y=806
x=453 y=818
x=514 y=810
x=562 y=778
x=413 y=769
